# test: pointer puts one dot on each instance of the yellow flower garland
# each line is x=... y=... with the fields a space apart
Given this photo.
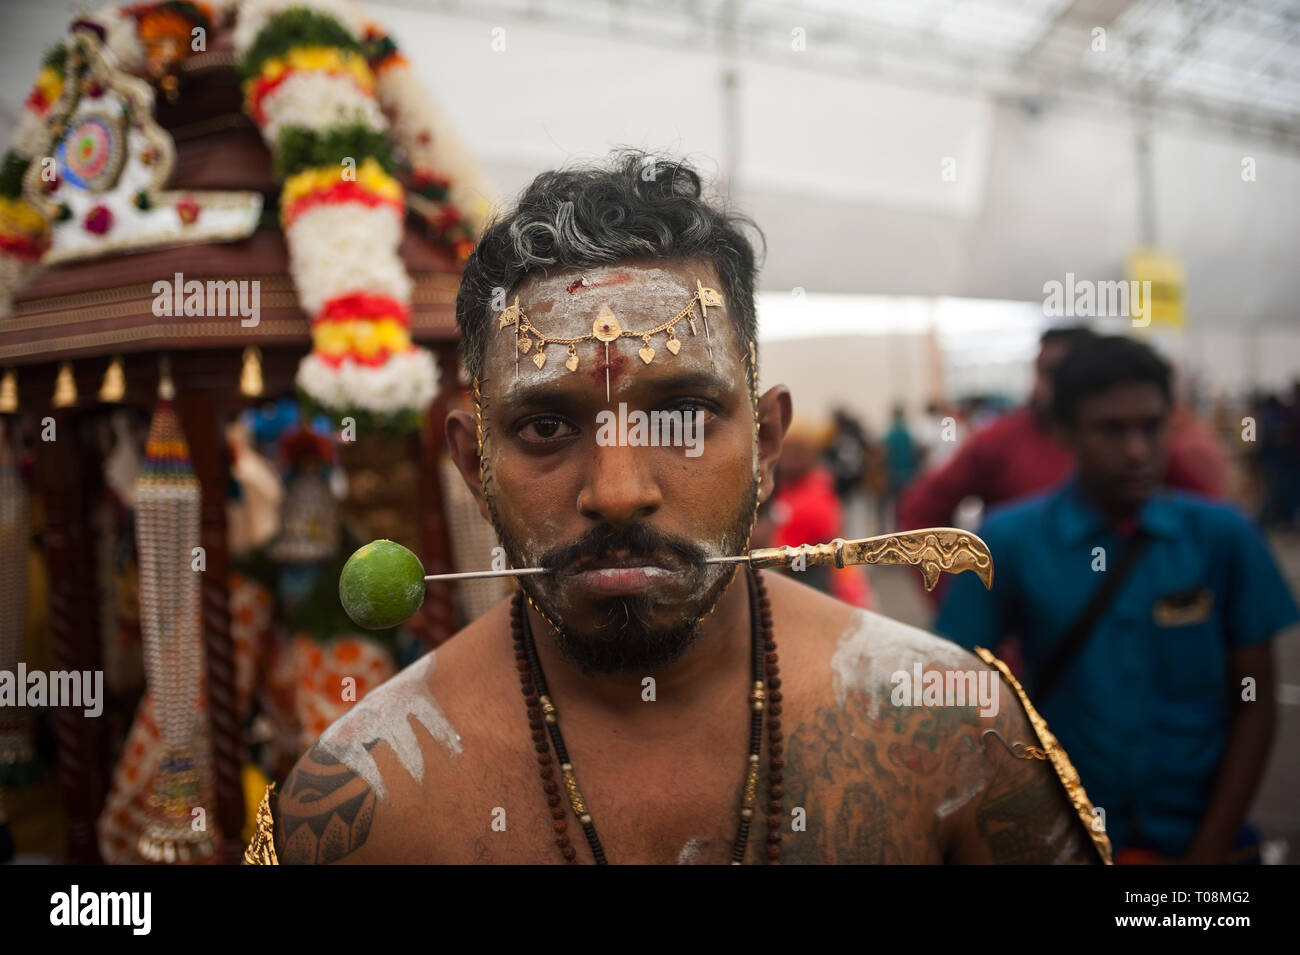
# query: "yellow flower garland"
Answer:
x=17 y=216
x=49 y=82
x=363 y=337
x=324 y=58
x=370 y=175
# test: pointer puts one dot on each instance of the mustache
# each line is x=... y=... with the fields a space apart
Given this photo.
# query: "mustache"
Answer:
x=633 y=540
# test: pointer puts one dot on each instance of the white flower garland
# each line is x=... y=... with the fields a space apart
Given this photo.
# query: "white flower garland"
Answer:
x=29 y=134
x=406 y=380
x=338 y=249
x=418 y=126
x=317 y=101
x=347 y=247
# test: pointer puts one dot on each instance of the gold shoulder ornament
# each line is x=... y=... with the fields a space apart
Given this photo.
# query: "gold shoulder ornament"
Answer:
x=261 y=850
x=1053 y=752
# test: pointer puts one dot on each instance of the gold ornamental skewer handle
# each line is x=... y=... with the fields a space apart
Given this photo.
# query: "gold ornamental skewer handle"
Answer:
x=933 y=550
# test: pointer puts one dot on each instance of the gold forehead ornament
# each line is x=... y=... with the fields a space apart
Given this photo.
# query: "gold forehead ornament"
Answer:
x=606 y=328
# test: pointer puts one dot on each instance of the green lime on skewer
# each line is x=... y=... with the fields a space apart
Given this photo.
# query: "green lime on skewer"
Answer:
x=382 y=585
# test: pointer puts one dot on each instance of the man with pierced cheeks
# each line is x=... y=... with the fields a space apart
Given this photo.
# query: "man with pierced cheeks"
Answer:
x=634 y=655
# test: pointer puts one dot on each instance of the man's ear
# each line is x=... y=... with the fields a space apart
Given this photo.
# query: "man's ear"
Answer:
x=775 y=412
x=462 y=441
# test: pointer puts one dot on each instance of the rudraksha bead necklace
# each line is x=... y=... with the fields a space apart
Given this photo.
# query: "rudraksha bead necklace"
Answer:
x=543 y=721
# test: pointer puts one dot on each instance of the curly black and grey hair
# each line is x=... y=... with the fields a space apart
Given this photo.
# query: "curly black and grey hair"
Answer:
x=636 y=205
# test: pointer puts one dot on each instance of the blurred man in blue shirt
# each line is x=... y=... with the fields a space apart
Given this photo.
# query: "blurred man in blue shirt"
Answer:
x=1160 y=686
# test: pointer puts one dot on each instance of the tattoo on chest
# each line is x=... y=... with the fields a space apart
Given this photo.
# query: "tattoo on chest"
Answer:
x=876 y=782
x=858 y=775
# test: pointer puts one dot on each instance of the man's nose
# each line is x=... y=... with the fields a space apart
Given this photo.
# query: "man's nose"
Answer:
x=1137 y=445
x=619 y=486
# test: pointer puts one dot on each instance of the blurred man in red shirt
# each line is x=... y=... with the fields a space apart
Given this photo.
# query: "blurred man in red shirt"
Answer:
x=1021 y=453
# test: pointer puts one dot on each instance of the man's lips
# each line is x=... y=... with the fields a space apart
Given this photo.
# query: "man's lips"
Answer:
x=619 y=561
x=615 y=581
x=622 y=575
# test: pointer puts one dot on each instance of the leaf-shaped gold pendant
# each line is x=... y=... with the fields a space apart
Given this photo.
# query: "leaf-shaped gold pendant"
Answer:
x=571 y=363
x=525 y=343
x=509 y=315
x=540 y=358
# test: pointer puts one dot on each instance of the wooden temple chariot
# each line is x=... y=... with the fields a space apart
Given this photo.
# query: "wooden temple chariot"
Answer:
x=85 y=314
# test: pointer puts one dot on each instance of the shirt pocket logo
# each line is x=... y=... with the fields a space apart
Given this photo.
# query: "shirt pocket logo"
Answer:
x=1184 y=607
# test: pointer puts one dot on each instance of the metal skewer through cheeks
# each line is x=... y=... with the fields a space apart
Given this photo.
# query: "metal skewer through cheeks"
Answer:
x=933 y=550
x=476 y=574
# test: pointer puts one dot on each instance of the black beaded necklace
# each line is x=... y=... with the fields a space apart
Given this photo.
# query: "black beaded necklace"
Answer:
x=543 y=720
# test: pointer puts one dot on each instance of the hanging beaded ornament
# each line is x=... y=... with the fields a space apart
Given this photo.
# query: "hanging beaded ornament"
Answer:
x=167 y=531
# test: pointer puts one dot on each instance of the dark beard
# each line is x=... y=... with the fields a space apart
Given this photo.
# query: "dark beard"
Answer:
x=624 y=641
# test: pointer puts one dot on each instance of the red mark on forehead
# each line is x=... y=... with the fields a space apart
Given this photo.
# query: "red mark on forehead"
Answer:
x=618 y=278
x=617 y=363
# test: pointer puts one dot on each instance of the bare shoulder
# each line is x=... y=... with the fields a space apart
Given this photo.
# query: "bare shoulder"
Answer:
x=859 y=651
x=888 y=754
x=359 y=792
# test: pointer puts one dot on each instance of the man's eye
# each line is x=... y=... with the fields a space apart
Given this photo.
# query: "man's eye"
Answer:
x=690 y=406
x=546 y=428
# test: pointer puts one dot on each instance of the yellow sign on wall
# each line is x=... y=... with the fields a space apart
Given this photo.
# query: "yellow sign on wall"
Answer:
x=1160 y=277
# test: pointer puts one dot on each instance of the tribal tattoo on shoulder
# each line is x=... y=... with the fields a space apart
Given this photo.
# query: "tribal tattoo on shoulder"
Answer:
x=877 y=783
x=324 y=811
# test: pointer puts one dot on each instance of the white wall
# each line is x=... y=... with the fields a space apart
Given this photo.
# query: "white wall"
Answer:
x=868 y=352
x=865 y=374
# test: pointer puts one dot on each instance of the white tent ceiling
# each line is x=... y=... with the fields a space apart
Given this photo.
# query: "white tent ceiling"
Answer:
x=922 y=147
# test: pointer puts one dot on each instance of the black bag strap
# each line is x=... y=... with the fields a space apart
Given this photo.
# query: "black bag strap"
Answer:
x=1068 y=649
